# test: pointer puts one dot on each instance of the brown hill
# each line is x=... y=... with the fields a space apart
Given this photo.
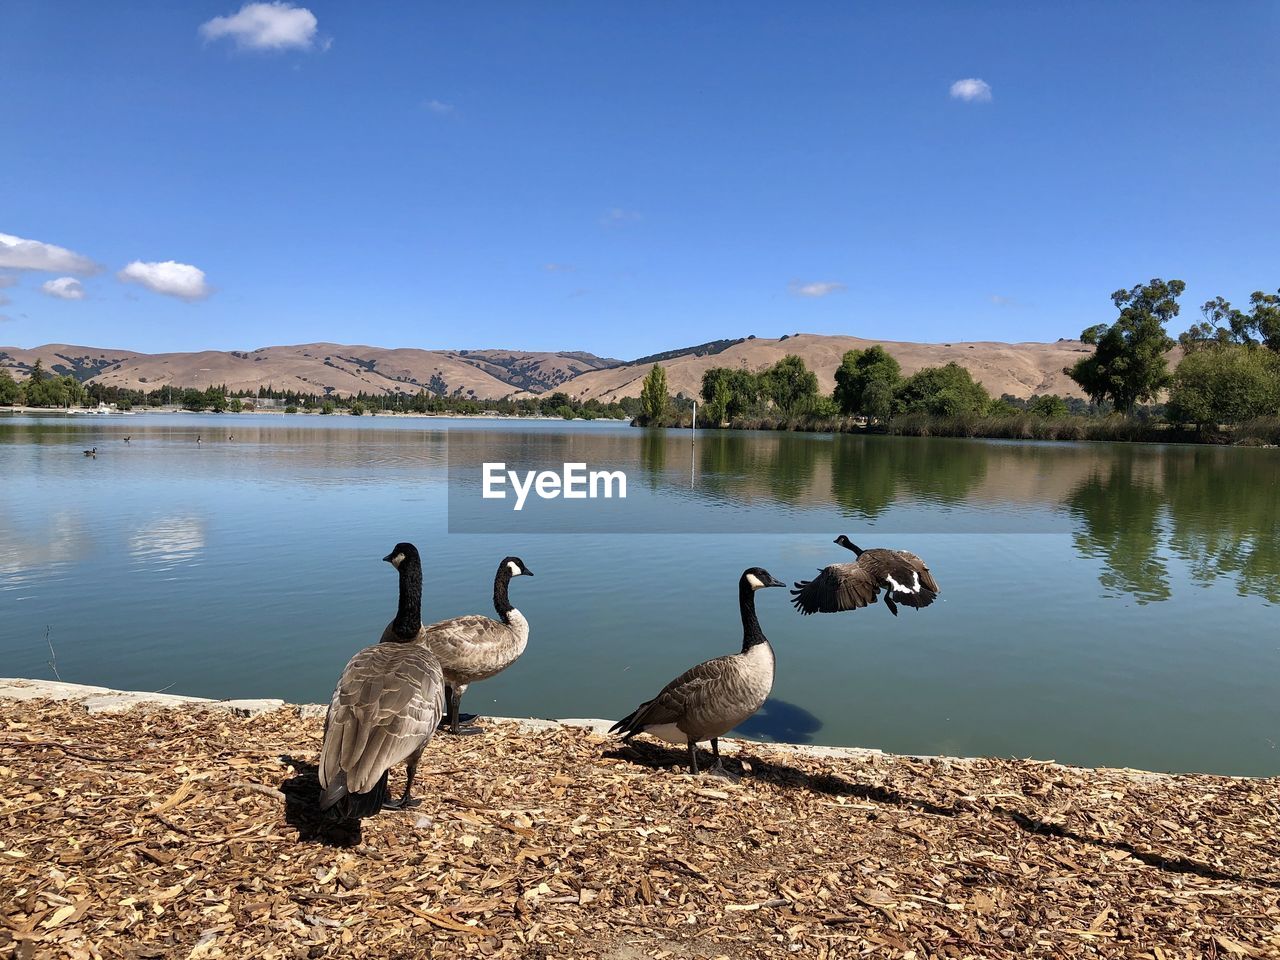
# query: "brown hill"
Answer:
x=1020 y=369
x=315 y=368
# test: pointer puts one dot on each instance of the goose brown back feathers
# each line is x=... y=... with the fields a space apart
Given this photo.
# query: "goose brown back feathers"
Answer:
x=850 y=586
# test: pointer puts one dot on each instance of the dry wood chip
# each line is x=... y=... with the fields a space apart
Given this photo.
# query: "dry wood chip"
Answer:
x=186 y=833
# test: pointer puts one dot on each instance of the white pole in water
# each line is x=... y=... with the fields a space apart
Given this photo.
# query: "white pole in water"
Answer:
x=693 y=441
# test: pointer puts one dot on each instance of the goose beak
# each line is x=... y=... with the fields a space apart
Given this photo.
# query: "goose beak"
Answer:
x=774 y=582
x=388 y=558
x=527 y=572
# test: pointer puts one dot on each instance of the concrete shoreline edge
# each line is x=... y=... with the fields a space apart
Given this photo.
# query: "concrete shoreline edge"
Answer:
x=97 y=699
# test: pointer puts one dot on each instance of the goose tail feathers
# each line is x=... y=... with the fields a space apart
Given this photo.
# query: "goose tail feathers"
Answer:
x=338 y=803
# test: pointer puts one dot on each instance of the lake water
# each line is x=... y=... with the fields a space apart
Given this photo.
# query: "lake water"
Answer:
x=1101 y=604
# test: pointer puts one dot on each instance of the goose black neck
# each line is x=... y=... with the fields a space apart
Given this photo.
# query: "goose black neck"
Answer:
x=408 y=621
x=500 y=583
x=751 y=632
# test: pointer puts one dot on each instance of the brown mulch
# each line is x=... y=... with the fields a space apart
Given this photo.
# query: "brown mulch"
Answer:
x=191 y=833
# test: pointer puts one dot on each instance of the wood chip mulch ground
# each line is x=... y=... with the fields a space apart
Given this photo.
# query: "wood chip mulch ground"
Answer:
x=191 y=833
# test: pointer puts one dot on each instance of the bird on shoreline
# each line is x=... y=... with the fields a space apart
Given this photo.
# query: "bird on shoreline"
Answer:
x=707 y=701
x=850 y=586
x=384 y=710
x=475 y=648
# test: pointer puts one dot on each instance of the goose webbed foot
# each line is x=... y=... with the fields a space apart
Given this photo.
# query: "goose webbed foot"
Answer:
x=405 y=802
x=457 y=730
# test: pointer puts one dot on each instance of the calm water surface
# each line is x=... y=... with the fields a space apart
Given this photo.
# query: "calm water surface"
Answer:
x=1102 y=604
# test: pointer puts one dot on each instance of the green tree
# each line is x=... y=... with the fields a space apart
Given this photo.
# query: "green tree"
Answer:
x=1223 y=323
x=716 y=394
x=1048 y=405
x=790 y=385
x=866 y=381
x=1128 y=364
x=38 y=372
x=654 y=398
x=9 y=391
x=945 y=391
x=1225 y=384
x=327 y=408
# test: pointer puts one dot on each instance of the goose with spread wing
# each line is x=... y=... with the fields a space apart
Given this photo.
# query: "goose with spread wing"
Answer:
x=476 y=648
x=707 y=701
x=848 y=586
x=385 y=708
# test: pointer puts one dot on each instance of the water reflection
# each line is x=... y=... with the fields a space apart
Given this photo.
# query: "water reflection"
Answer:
x=169 y=542
x=1216 y=511
x=25 y=547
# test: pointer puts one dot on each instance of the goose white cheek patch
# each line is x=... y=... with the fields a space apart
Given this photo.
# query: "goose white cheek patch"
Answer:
x=511 y=565
x=756 y=582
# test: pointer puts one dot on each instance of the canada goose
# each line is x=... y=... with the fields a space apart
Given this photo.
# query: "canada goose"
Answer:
x=707 y=701
x=477 y=647
x=199 y=439
x=848 y=586
x=385 y=708
x=127 y=439
x=91 y=453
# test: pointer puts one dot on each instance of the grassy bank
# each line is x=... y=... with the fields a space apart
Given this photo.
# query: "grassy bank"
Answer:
x=1021 y=426
x=191 y=832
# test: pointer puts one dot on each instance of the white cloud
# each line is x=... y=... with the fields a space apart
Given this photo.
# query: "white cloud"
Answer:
x=64 y=288
x=438 y=107
x=1000 y=300
x=5 y=318
x=175 y=279
x=558 y=267
x=4 y=300
x=971 y=90
x=19 y=254
x=266 y=26
x=8 y=280
x=617 y=215
x=820 y=288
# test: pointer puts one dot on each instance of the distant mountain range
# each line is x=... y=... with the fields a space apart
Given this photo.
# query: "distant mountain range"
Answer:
x=1020 y=369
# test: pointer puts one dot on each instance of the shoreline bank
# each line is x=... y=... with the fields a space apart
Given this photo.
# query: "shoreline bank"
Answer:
x=179 y=827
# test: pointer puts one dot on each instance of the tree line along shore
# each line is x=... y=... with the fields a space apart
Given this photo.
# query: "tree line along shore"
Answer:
x=1225 y=388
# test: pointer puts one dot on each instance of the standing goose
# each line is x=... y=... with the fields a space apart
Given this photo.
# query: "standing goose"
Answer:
x=707 y=701
x=848 y=586
x=385 y=708
x=477 y=647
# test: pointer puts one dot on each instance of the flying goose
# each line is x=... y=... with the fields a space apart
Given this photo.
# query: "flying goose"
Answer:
x=477 y=647
x=707 y=701
x=385 y=708
x=848 y=586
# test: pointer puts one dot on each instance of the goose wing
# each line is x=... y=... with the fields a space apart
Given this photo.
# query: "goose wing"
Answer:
x=386 y=707
x=687 y=696
x=841 y=586
x=464 y=641
x=903 y=574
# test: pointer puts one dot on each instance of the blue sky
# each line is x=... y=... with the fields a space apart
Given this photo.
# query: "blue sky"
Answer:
x=625 y=178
